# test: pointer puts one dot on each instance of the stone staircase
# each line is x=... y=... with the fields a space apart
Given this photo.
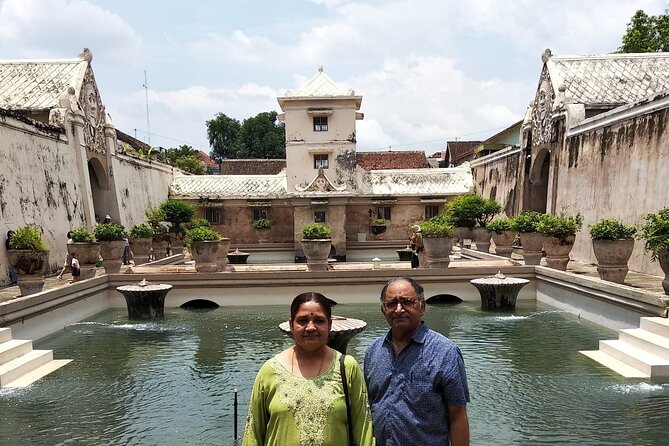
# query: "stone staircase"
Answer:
x=638 y=352
x=20 y=365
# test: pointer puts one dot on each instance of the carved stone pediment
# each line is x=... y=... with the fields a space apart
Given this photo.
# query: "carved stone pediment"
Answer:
x=542 y=110
x=321 y=183
x=94 y=112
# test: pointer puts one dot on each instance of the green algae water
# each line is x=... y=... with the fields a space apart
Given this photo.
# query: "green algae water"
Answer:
x=172 y=381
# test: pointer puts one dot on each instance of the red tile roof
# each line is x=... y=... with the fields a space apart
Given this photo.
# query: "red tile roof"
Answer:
x=204 y=158
x=136 y=144
x=461 y=151
x=252 y=167
x=392 y=160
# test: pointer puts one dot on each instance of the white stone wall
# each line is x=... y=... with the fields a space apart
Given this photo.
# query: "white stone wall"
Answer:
x=38 y=186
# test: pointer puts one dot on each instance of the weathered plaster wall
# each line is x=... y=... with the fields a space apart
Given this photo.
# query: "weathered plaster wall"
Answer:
x=496 y=176
x=138 y=185
x=617 y=171
x=335 y=219
x=38 y=186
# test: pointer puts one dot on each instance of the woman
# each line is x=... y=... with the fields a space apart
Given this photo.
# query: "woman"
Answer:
x=298 y=397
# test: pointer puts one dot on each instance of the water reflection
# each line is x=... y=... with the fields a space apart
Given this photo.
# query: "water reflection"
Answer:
x=171 y=381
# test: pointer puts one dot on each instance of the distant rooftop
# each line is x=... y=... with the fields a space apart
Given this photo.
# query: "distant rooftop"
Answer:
x=392 y=160
x=252 y=166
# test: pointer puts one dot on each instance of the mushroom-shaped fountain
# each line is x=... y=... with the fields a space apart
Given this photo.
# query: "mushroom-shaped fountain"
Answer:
x=237 y=257
x=499 y=292
x=145 y=300
x=343 y=330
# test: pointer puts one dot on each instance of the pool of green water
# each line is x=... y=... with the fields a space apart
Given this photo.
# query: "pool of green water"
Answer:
x=172 y=381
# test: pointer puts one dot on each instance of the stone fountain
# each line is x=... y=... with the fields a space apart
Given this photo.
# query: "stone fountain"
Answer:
x=343 y=330
x=145 y=300
x=499 y=292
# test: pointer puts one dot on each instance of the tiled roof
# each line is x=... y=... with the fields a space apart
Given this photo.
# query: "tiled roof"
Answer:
x=206 y=159
x=132 y=142
x=229 y=186
x=611 y=78
x=460 y=150
x=252 y=167
x=36 y=85
x=418 y=182
x=392 y=160
x=319 y=86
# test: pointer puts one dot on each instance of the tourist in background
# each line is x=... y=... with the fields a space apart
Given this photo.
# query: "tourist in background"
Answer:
x=68 y=258
x=416 y=245
x=298 y=398
x=76 y=270
x=13 y=275
x=415 y=376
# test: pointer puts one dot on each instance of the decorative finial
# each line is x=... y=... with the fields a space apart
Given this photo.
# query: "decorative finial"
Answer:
x=320 y=69
x=500 y=276
x=144 y=283
x=547 y=54
x=86 y=55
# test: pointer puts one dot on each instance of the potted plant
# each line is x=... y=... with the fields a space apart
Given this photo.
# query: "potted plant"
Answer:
x=503 y=236
x=559 y=234
x=87 y=250
x=28 y=254
x=262 y=228
x=378 y=227
x=613 y=243
x=438 y=240
x=161 y=238
x=176 y=213
x=655 y=232
x=141 y=239
x=204 y=246
x=316 y=243
x=485 y=209
x=112 y=238
x=525 y=224
x=463 y=216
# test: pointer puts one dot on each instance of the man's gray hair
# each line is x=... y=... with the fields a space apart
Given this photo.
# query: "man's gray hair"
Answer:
x=415 y=285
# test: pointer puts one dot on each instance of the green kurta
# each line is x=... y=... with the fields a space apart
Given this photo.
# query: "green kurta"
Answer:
x=286 y=410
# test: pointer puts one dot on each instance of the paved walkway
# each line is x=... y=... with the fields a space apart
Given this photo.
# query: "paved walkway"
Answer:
x=643 y=282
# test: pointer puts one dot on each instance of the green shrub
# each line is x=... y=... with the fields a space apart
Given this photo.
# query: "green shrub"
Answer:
x=82 y=235
x=436 y=228
x=499 y=225
x=196 y=223
x=560 y=226
x=201 y=234
x=177 y=213
x=28 y=237
x=527 y=221
x=610 y=229
x=262 y=223
x=655 y=231
x=108 y=232
x=316 y=231
x=142 y=230
x=378 y=222
x=468 y=210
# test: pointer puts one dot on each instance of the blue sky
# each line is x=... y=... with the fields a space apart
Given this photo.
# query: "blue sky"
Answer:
x=428 y=70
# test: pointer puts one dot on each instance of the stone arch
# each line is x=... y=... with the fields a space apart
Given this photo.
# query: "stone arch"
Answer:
x=539 y=181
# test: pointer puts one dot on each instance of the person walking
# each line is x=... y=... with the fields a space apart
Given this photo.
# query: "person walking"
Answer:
x=76 y=270
x=68 y=258
x=415 y=377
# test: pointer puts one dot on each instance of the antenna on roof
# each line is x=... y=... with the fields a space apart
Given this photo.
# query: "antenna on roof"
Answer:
x=146 y=96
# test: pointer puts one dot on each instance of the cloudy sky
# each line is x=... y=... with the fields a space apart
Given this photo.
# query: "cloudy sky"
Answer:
x=429 y=71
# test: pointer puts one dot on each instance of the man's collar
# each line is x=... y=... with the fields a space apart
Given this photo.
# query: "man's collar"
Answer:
x=418 y=336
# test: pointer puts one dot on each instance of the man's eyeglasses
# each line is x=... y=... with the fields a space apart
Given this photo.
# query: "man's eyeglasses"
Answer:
x=407 y=304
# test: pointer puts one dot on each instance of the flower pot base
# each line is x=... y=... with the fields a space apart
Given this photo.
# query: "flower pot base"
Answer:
x=29 y=284
x=559 y=263
x=206 y=267
x=112 y=266
x=613 y=273
x=503 y=251
x=87 y=272
x=532 y=257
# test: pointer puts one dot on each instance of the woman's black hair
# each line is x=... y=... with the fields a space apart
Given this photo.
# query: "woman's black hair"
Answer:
x=310 y=296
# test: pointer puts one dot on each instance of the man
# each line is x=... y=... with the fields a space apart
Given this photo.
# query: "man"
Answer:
x=415 y=377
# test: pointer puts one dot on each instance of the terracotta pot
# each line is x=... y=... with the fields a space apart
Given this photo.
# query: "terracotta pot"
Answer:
x=317 y=252
x=482 y=239
x=438 y=250
x=111 y=252
x=503 y=242
x=612 y=257
x=557 y=251
x=663 y=259
x=30 y=267
x=532 y=243
x=141 y=248
x=205 y=254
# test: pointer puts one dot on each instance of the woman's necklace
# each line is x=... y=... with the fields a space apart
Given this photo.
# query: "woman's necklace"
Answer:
x=293 y=360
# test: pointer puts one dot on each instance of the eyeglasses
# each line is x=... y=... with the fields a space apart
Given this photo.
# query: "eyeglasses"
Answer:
x=407 y=304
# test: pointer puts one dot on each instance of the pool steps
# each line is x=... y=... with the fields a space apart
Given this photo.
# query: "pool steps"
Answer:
x=638 y=352
x=20 y=365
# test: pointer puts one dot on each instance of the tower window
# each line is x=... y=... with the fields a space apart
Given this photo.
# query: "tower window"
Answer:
x=213 y=215
x=259 y=213
x=319 y=217
x=321 y=161
x=320 y=123
x=383 y=212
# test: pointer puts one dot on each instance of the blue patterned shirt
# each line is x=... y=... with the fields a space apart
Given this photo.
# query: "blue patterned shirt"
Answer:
x=410 y=393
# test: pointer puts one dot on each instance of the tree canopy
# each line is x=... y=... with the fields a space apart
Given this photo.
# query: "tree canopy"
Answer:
x=646 y=34
x=261 y=136
x=185 y=158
